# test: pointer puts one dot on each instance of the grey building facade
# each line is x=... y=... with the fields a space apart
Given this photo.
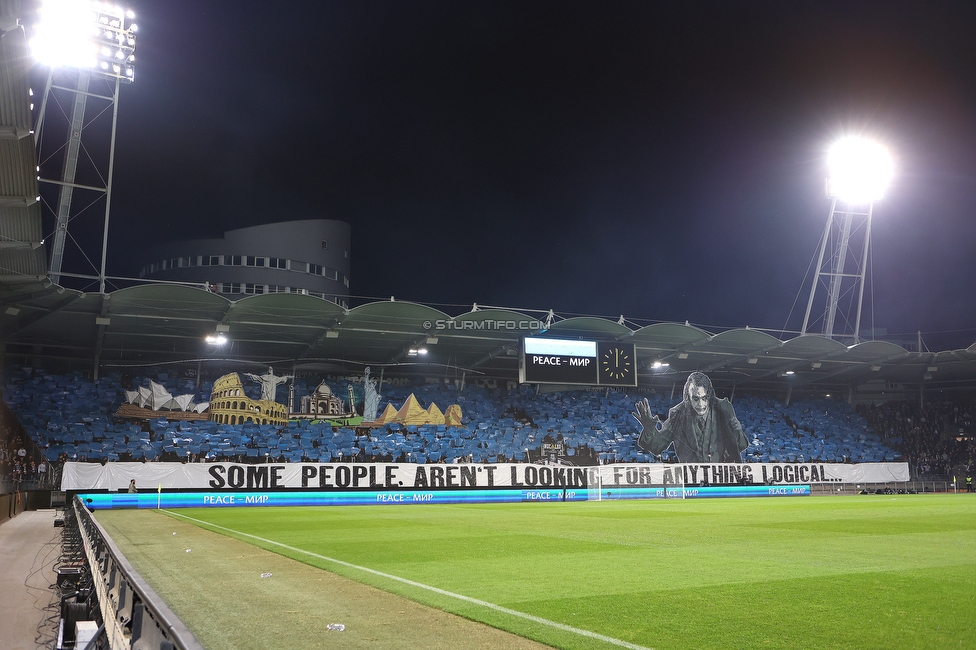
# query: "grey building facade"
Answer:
x=310 y=256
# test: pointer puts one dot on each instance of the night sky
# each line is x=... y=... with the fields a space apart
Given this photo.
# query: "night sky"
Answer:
x=664 y=161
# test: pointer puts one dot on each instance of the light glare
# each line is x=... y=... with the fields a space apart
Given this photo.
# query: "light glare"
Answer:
x=859 y=170
x=82 y=34
x=65 y=34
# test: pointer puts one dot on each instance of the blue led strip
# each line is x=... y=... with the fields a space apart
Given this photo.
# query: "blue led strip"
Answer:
x=103 y=501
x=689 y=492
x=107 y=501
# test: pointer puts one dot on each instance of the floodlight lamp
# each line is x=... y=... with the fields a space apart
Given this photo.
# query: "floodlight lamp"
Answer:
x=216 y=339
x=860 y=170
x=82 y=34
x=65 y=34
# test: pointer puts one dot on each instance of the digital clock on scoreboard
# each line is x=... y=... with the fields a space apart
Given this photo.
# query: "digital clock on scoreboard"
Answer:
x=588 y=363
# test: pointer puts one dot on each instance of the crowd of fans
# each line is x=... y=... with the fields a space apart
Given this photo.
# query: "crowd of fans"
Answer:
x=72 y=418
x=937 y=439
x=19 y=467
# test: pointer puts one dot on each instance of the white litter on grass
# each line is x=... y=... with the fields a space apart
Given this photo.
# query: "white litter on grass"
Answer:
x=265 y=575
x=188 y=550
x=336 y=627
x=174 y=533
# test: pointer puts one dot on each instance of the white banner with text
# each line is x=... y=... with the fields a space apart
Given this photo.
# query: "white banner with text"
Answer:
x=409 y=476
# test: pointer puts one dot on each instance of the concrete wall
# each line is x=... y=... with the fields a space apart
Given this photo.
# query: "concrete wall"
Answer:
x=12 y=504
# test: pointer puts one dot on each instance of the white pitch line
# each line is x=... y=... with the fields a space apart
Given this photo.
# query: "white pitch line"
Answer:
x=436 y=590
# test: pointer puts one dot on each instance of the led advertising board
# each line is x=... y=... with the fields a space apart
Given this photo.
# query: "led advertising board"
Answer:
x=146 y=500
x=584 y=363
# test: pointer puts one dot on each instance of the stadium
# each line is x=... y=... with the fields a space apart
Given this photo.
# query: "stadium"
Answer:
x=235 y=451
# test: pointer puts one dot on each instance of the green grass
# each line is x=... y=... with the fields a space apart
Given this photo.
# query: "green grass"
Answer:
x=816 y=572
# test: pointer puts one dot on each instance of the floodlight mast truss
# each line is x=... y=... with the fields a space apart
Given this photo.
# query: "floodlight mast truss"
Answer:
x=848 y=238
x=113 y=41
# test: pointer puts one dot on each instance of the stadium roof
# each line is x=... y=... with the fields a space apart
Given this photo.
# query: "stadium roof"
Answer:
x=23 y=268
x=166 y=324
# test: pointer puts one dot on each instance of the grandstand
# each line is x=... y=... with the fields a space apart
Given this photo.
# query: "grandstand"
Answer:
x=71 y=417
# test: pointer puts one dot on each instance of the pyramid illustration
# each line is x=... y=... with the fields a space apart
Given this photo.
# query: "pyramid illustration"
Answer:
x=434 y=415
x=388 y=415
x=412 y=412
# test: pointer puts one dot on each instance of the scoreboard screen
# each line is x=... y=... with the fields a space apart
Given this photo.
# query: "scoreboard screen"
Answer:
x=586 y=363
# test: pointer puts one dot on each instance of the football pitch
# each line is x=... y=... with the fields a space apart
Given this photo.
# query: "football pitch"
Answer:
x=895 y=571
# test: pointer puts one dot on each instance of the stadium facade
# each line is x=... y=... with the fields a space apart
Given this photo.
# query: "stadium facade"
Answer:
x=309 y=256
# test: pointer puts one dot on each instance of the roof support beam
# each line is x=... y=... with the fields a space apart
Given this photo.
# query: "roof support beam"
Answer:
x=681 y=349
x=102 y=322
x=327 y=328
x=742 y=357
x=502 y=350
x=23 y=322
x=855 y=366
x=405 y=350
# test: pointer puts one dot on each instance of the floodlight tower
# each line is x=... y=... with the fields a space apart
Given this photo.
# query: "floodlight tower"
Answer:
x=859 y=173
x=86 y=43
